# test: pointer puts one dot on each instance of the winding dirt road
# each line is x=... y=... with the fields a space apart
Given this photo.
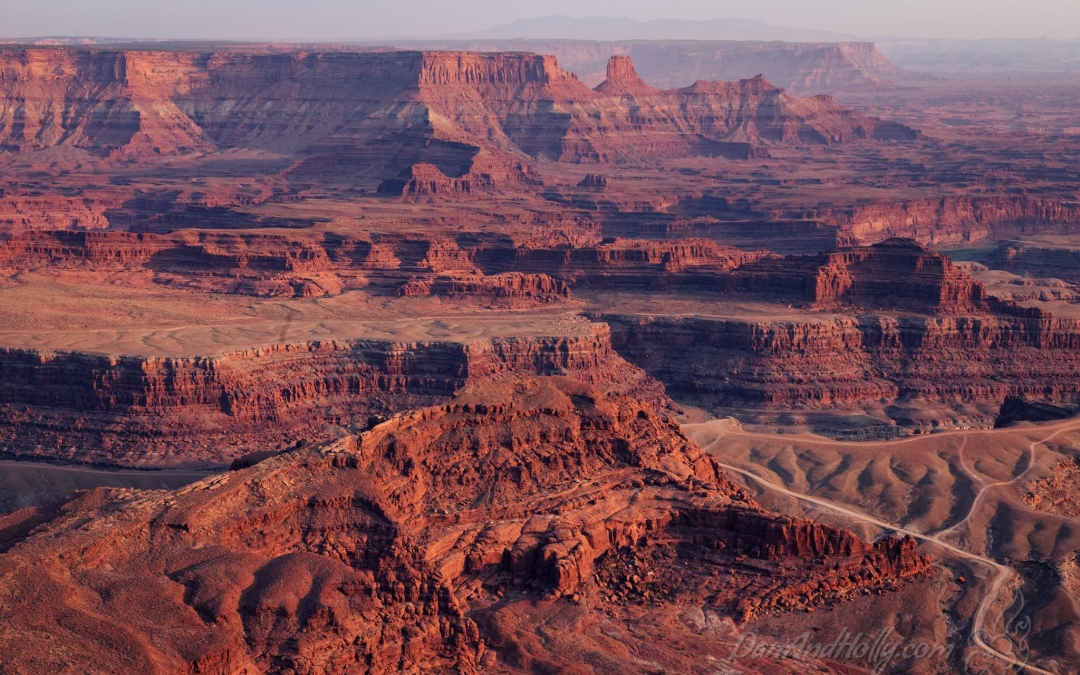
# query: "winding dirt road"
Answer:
x=1002 y=574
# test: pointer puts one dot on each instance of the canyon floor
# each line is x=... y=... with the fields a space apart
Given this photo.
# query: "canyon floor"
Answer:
x=347 y=360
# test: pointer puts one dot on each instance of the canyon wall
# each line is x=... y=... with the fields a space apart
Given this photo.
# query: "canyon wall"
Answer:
x=949 y=220
x=417 y=121
x=895 y=274
x=846 y=361
x=1037 y=260
x=205 y=411
x=272 y=265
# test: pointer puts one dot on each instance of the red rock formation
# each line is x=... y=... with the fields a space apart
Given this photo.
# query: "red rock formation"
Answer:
x=896 y=274
x=1057 y=493
x=623 y=80
x=839 y=362
x=1028 y=259
x=949 y=220
x=459 y=121
x=593 y=181
x=106 y=103
x=207 y=410
x=523 y=289
x=627 y=263
x=903 y=324
x=302 y=266
x=391 y=551
x=1018 y=409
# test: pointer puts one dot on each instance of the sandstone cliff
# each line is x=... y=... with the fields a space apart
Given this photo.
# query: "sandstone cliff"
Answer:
x=420 y=122
x=949 y=220
x=882 y=326
x=79 y=407
x=519 y=289
x=846 y=362
x=895 y=274
x=1039 y=260
x=410 y=547
x=303 y=266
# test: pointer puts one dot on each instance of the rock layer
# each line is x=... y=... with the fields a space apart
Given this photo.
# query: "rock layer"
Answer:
x=304 y=266
x=392 y=551
x=78 y=407
x=1028 y=259
x=896 y=274
x=839 y=362
x=422 y=122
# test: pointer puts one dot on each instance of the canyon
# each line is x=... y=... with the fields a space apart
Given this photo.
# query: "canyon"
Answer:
x=858 y=332
x=532 y=356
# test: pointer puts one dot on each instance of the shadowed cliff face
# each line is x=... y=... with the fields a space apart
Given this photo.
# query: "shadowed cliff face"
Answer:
x=410 y=547
x=423 y=122
x=206 y=411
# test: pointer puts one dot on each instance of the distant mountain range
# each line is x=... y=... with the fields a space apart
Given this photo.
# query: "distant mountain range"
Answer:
x=554 y=35
x=608 y=28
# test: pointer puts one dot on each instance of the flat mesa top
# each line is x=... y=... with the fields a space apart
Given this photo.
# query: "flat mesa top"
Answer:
x=212 y=340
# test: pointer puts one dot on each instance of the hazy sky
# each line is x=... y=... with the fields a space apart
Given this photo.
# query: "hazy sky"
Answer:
x=358 y=19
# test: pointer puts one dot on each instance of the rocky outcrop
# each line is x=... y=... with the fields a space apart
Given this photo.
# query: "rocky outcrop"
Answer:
x=837 y=362
x=1031 y=259
x=896 y=274
x=626 y=263
x=593 y=181
x=949 y=220
x=1017 y=409
x=622 y=80
x=305 y=265
x=703 y=118
x=521 y=289
x=406 y=547
x=487 y=173
x=208 y=410
x=1057 y=493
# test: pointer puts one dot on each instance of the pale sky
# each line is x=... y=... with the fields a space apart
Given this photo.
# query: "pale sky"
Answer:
x=315 y=20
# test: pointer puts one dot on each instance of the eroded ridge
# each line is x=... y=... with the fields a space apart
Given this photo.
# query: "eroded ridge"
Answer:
x=414 y=544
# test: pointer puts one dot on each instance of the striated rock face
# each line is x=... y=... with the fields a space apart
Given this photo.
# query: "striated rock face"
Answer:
x=305 y=266
x=801 y=67
x=405 y=548
x=949 y=220
x=208 y=410
x=706 y=117
x=627 y=263
x=1037 y=260
x=837 y=361
x=896 y=274
x=522 y=288
x=622 y=80
x=422 y=123
x=105 y=103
